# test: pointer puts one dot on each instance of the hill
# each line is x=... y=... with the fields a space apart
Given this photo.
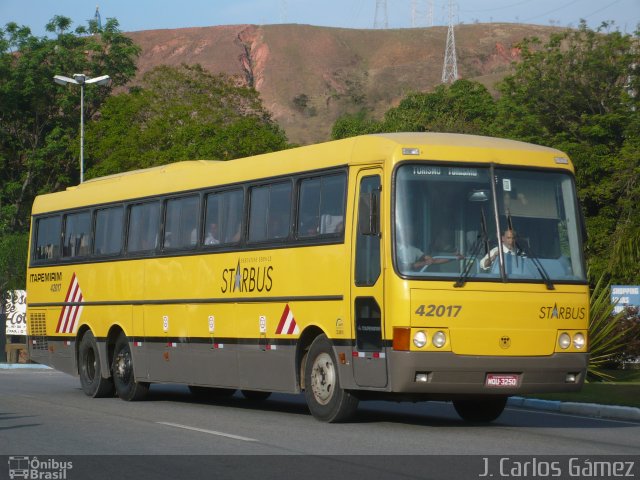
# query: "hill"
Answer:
x=308 y=76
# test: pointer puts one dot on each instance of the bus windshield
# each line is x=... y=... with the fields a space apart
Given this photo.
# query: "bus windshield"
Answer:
x=451 y=222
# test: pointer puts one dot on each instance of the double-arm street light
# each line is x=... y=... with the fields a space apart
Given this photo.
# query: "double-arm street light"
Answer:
x=81 y=79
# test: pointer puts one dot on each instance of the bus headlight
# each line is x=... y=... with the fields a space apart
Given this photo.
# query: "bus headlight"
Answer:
x=579 y=341
x=439 y=339
x=420 y=339
x=564 y=340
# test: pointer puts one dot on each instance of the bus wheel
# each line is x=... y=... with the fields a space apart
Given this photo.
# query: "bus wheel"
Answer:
x=123 y=375
x=326 y=400
x=91 y=380
x=255 y=395
x=484 y=409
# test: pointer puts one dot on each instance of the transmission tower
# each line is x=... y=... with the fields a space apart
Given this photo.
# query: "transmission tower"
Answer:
x=414 y=13
x=450 y=68
x=283 y=11
x=381 y=19
x=97 y=18
x=421 y=17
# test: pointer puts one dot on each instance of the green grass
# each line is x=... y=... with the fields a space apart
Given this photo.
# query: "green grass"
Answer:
x=623 y=389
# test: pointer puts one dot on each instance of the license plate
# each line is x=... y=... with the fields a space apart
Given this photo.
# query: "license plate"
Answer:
x=502 y=380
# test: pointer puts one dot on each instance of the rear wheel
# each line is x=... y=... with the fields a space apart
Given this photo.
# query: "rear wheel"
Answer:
x=326 y=400
x=484 y=409
x=91 y=380
x=123 y=374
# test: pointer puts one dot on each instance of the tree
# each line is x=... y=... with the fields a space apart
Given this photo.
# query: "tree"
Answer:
x=13 y=262
x=39 y=120
x=351 y=125
x=463 y=107
x=179 y=114
x=580 y=93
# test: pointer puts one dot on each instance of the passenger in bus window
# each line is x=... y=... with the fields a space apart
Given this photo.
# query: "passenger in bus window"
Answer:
x=309 y=226
x=278 y=226
x=212 y=235
x=409 y=256
x=508 y=248
x=444 y=244
x=412 y=258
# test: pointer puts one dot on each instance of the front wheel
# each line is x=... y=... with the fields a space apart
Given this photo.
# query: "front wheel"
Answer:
x=485 y=409
x=327 y=401
x=123 y=375
x=91 y=379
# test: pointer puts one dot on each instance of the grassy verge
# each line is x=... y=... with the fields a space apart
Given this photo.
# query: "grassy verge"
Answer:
x=623 y=389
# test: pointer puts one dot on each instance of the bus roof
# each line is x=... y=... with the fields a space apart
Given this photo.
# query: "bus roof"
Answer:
x=376 y=148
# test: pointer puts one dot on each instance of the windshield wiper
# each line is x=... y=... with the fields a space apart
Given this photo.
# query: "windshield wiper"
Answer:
x=482 y=239
x=538 y=264
x=536 y=261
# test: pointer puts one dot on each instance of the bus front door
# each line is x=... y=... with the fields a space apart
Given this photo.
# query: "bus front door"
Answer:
x=368 y=359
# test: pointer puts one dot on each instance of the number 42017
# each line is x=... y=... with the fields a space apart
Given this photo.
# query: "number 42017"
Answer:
x=438 y=310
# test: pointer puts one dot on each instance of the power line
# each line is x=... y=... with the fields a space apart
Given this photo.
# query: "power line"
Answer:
x=496 y=8
x=551 y=11
x=601 y=9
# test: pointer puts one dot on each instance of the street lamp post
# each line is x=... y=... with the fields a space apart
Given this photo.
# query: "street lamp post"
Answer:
x=81 y=79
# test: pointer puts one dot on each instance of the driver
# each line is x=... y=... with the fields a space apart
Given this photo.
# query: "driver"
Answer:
x=508 y=248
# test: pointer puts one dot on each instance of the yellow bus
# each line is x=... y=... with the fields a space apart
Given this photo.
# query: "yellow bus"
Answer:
x=408 y=266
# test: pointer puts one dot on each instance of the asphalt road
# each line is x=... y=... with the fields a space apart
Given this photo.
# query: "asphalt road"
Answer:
x=45 y=413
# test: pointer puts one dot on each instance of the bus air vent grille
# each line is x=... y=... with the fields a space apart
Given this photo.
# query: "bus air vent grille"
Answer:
x=38 y=324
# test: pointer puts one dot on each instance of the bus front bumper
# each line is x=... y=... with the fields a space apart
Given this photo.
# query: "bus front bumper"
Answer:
x=450 y=374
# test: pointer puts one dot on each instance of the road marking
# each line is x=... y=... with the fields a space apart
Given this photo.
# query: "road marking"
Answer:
x=574 y=415
x=210 y=432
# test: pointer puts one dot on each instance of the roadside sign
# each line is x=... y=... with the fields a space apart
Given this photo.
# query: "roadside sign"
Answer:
x=15 y=307
x=623 y=296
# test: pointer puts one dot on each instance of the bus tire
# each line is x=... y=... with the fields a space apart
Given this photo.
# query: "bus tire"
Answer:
x=326 y=400
x=485 y=409
x=90 y=370
x=123 y=372
x=255 y=395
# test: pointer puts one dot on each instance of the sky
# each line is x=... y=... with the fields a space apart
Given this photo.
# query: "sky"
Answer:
x=134 y=15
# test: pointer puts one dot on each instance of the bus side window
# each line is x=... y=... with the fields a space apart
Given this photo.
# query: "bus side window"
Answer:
x=47 y=241
x=309 y=208
x=367 y=268
x=77 y=234
x=143 y=227
x=223 y=218
x=108 y=231
x=181 y=222
x=270 y=212
x=321 y=206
